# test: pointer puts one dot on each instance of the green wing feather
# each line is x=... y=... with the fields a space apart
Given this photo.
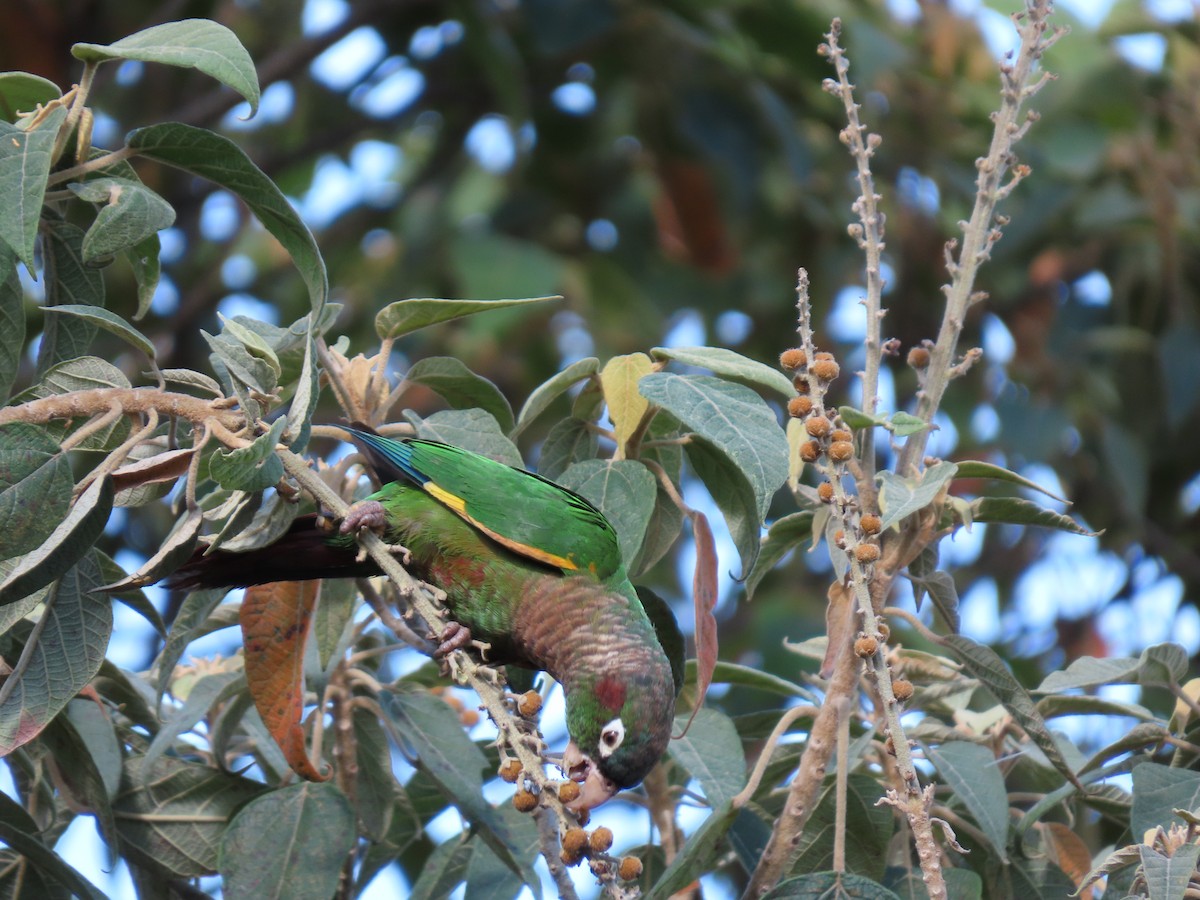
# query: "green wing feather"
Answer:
x=522 y=511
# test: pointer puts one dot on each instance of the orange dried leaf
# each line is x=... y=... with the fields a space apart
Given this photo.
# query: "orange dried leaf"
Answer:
x=275 y=620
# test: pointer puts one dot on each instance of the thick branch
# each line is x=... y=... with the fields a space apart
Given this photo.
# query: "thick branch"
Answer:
x=85 y=404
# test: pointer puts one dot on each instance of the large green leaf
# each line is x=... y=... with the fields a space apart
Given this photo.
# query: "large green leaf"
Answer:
x=67 y=651
x=461 y=388
x=457 y=765
x=1168 y=877
x=406 y=316
x=868 y=829
x=35 y=487
x=734 y=496
x=1158 y=790
x=696 y=856
x=69 y=282
x=733 y=419
x=901 y=497
x=12 y=321
x=172 y=816
x=712 y=752
x=21 y=92
x=570 y=441
x=973 y=775
x=24 y=168
x=784 y=535
x=622 y=489
x=70 y=540
x=252 y=468
x=313 y=822
x=129 y=214
x=731 y=366
x=1018 y=511
x=191 y=44
x=221 y=161
x=546 y=393
x=109 y=321
x=19 y=831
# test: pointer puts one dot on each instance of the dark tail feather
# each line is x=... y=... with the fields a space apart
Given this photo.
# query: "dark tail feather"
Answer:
x=305 y=552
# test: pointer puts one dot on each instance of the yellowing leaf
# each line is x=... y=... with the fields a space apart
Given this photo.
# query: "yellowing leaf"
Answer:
x=626 y=406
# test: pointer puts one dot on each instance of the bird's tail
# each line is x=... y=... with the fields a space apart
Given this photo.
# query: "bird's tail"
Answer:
x=307 y=551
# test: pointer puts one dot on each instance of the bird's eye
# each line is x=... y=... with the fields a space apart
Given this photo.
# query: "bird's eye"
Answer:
x=610 y=737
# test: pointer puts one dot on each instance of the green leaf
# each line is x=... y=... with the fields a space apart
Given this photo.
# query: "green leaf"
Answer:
x=731 y=366
x=868 y=829
x=377 y=785
x=1090 y=671
x=68 y=281
x=444 y=870
x=173 y=815
x=856 y=418
x=110 y=322
x=68 y=650
x=903 y=424
x=202 y=696
x=221 y=161
x=35 y=487
x=825 y=885
x=70 y=540
x=696 y=856
x=983 y=664
x=77 y=767
x=546 y=393
x=471 y=429
x=131 y=213
x=974 y=468
x=1163 y=664
x=901 y=497
x=1159 y=789
x=270 y=523
x=256 y=345
x=191 y=623
x=1143 y=734
x=12 y=320
x=622 y=489
x=487 y=875
x=744 y=676
x=973 y=776
x=784 y=535
x=461 y=388
x=253 y=468
x=1018 y=511
x=733 y=419
x=189 y=44
x=20 y=832
x=456 y=764
x=1168 y=877
x=734 y=496
x=406 y=316
x=24 y=168
x=21 y=92
x=570 y=441
x=147 y=270
x=175 y=549
x=313 y=822
x=712 y=752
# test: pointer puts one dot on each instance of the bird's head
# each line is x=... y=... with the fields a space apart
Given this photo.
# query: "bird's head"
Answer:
x=620 y=724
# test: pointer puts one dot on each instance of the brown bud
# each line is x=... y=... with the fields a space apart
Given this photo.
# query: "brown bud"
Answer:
x=839 y=538
x=918 y=357
x=574 y=840
x=866 y=553
x=568 y=791
x=870 y=523
x=793 y=359
x=823 y=356
x=523 y=801
x=800 y=383
x=817 y=426
x=840 y=451
x=825 y=369
x=890 y=746
x=825 y=492
x=631 y=868
x=799 y=407
x=600 y=840
x=866 y=646
x=885 y=632
x=469 y=718
x=583 y=816
x=902 y=688
x=810 y=451
x=570 y=859
x=529 y=704
x=511 y=770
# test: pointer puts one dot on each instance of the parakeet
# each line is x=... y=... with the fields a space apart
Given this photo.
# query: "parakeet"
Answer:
x=529 y=567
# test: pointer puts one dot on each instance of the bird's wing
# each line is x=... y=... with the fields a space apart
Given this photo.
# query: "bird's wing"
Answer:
x=522 y=511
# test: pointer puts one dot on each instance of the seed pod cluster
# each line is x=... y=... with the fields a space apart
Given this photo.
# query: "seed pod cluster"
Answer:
x=578 y=844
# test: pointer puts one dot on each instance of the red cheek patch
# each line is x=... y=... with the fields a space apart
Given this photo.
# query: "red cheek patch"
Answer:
x=611 y=693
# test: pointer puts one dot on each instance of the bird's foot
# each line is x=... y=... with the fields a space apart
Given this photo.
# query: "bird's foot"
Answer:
x=454 y=636
x=364 y=514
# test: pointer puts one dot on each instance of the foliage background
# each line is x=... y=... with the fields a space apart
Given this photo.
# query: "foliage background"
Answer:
x=667 y=166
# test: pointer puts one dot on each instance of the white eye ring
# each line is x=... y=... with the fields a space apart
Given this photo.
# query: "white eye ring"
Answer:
x=611 y=736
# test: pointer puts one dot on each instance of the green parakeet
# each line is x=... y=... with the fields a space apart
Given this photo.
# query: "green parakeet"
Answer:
x=528 y=566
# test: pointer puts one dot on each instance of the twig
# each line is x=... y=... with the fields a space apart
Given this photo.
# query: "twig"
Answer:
x=80 y=404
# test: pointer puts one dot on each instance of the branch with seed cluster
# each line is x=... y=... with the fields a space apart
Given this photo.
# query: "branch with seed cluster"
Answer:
x=868 y=233
x=984 y=228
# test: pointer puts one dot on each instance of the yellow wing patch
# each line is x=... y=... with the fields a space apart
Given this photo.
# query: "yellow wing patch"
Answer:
x=459 y=505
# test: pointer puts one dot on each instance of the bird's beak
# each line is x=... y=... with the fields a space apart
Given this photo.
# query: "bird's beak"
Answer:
x=594 y=787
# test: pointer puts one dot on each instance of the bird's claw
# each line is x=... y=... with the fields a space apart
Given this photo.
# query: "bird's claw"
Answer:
x=454 y=636
x=364 y=514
